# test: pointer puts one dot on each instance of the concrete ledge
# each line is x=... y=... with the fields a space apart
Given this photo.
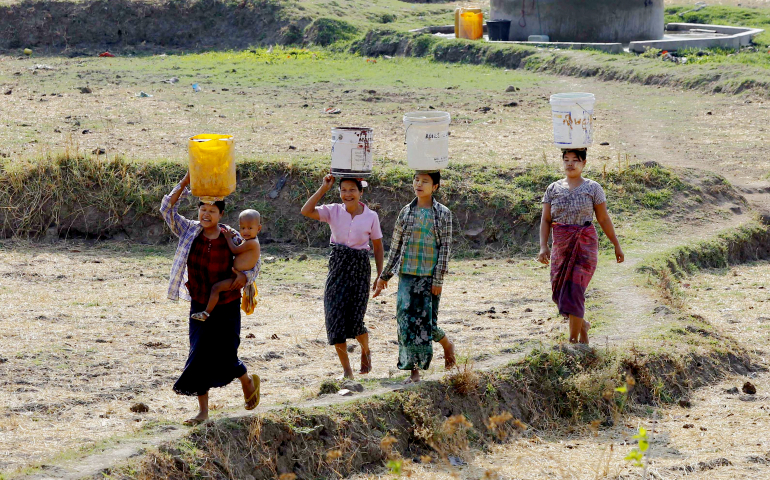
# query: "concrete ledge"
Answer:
x=604 y=47
x=724 y=36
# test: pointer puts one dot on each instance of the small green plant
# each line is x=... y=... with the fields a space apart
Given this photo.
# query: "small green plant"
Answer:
x=387 y=18
x=639 y=455
x=651 y=53
x=395 y=466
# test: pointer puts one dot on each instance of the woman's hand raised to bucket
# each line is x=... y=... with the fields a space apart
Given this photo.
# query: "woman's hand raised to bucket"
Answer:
x=328 y=183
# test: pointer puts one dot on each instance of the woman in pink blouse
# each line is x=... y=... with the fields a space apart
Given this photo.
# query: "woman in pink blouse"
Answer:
x=353 y=225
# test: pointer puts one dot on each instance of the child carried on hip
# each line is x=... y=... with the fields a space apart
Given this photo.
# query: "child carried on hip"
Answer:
x=246 y=257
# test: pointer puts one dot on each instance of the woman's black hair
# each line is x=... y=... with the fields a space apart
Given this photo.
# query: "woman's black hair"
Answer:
x=358 y=183
x=219 y=204
x=581 y=153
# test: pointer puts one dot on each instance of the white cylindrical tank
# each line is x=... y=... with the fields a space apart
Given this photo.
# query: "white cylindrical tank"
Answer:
x=591 y=21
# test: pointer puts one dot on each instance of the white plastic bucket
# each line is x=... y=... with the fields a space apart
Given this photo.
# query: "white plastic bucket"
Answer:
x=573 y=119
x=351 y=151
x=427 y=140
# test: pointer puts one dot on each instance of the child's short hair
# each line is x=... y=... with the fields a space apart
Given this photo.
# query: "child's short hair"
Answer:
x=250 y=214
x=220 y=204
x=435 y=177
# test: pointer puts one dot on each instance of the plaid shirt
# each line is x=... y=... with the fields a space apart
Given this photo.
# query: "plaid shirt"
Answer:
x=209 y=262
x=402 y=236
x=421 y=254
x=187 y=231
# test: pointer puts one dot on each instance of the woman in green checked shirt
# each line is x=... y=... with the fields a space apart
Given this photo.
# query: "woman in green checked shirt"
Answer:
x=419 y=252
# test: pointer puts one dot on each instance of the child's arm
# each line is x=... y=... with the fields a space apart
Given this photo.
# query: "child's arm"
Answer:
x=169 y=207
x=242 y=247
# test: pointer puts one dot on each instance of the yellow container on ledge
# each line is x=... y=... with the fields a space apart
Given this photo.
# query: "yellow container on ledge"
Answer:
x=470 y=22
x=212 y=166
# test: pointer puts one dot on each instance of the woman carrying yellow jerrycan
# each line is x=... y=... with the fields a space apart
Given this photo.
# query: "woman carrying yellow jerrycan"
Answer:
x=203 y=257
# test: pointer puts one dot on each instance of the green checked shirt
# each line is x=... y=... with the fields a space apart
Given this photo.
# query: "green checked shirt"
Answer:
x=406 y=255
x=420 y=254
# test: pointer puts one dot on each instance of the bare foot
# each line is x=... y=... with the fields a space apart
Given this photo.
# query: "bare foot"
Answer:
x=449 y=356
x=584 y=332
x=366 y=362
x=414 y=378
x=197 y=420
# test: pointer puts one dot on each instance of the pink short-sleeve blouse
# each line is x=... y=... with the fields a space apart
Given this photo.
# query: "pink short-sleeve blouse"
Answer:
x=354 y=232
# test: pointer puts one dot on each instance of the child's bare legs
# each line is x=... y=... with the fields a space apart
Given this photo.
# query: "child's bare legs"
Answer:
x=203 y=411
x=216 y=289
x=414 y=377
x=342 y=352
x=366 y=354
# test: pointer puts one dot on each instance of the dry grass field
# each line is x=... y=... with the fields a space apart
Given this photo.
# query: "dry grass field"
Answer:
x=274 y=106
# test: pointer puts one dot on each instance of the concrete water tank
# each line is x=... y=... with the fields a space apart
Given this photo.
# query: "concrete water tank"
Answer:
x=594 y=21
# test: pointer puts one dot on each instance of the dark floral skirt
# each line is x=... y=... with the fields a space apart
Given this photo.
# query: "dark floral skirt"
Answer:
x=417 y=317
x=347 y=293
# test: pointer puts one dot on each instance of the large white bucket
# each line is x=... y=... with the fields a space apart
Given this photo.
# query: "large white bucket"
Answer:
x=427 y=140
x=573 y=119
x=351 y=151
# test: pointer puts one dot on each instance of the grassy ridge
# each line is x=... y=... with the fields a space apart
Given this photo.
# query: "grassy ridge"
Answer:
x=557 y=386
x=747 y=243
x=747 y=72
x=102 y=197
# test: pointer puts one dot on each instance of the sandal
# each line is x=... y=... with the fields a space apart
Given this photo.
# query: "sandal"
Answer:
x=255 y=380
x=201 y=316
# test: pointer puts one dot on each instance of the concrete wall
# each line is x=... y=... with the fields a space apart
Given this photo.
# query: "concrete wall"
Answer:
x=582 y=20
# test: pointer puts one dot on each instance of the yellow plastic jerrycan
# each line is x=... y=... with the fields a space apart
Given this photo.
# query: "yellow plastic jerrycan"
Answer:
x=471 y=23
x=212 y=166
